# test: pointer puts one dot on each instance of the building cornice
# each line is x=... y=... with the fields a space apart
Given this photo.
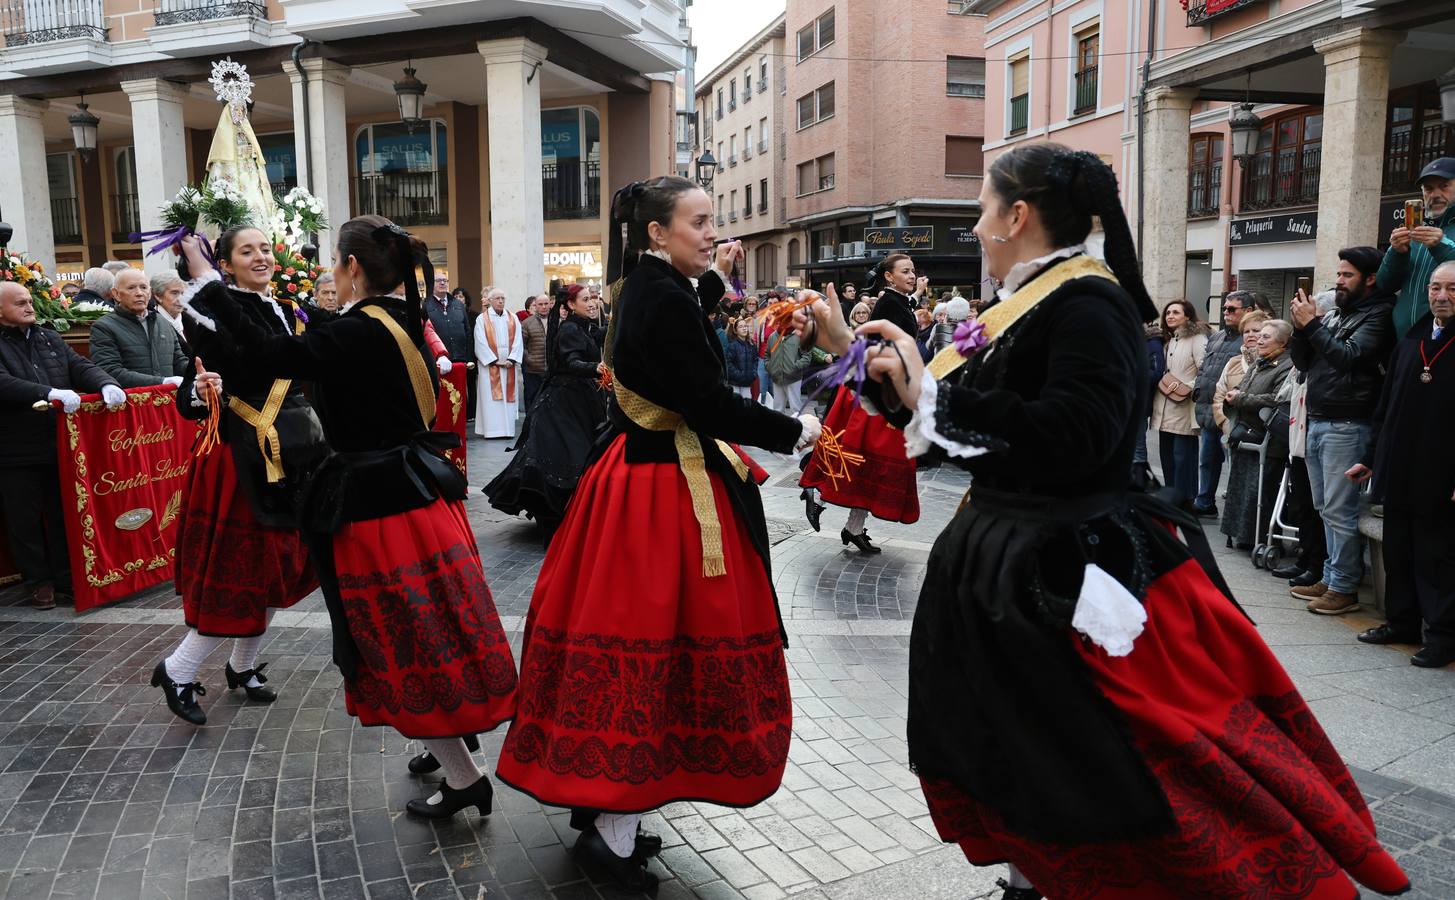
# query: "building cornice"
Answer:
x=776 y=29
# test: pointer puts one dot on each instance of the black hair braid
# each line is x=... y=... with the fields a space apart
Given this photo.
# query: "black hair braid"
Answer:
x=1097 y=192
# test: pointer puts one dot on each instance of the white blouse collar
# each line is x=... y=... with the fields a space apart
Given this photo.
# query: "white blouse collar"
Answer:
x=1022 y=272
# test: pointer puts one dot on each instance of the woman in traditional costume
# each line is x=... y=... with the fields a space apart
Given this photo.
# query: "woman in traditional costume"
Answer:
x=416 y=634
x=1086 y=700
x=563 y=421
x=239 y=552
x=884 y=483
x=652 y=669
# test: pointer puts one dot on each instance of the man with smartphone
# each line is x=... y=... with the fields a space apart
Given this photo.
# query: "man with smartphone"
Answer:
x=1343 y=357
x=1421 y=244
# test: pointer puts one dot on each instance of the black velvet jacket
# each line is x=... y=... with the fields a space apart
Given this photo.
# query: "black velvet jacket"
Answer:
x=1414 y=426
x=577 y=351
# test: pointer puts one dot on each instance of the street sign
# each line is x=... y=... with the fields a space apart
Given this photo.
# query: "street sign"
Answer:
x=899 y=240
x=1278 y=229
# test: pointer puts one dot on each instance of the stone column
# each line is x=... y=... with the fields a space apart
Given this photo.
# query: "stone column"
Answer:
x=1356 y=96
x=25 y=196
x=161 y=152
x=513 y=120
x=1164 y=231
x=662 y=116
x=328 y=142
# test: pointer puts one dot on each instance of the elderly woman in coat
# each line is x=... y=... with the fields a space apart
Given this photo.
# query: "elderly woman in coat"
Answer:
x=1259 y=391
x=1173 y=411
x=1237 y=366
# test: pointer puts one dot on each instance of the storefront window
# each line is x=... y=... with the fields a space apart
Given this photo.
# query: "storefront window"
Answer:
x=573 y=264
x=403 y=173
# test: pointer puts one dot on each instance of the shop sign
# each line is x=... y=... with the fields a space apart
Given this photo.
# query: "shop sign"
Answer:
x=572 y=262
x=894 y=240
x=963 y=237
x=1280 y=229
x=1391 y=216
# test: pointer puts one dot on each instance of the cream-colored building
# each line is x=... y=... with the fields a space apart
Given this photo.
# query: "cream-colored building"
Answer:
x=534 y=112
x=740 y=119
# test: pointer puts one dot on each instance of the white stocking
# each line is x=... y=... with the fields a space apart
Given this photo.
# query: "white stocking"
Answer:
x=454 y=757
x=619 y=831
x=1015 y=879
x=184 y=662
x=857 y=518
x=245 y=652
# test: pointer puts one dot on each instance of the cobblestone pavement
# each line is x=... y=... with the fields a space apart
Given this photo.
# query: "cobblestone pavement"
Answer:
x=104 y=794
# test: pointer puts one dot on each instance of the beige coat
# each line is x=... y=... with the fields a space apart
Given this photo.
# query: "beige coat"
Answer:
x=1232 y=376
x=1185 y=353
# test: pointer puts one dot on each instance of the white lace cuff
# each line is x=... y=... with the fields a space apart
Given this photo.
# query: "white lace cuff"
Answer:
x=921 y=431
x=194 y=287
x=1107 y=613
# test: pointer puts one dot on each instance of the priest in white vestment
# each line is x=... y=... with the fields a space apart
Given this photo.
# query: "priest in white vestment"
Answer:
x=499 y=349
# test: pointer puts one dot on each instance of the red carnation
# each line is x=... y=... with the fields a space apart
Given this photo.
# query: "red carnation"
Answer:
x=277 y=268
x=289 y=271
x=279 y=248
x=292 y=288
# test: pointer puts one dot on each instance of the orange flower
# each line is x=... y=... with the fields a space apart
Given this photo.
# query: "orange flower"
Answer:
x=279 y=248
x=289 y=271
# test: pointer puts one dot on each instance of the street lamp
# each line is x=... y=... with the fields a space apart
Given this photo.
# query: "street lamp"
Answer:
x=409 y=91
x=83 y=129
x=706 y=167
x=1244 y=127
x=7 y=231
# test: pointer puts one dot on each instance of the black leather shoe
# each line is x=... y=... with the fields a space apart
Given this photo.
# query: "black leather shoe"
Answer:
x=180 y=696
x=1385 y=634
x=630 y=874
x=479 y=795
x=648 y=844
x=1015 y=893
x=860 y=540
x=1292 y=570
x=1210 y=512
x=425 y=763
x=237 y=680
x=811 y=508
x=1306 y=579
x=1433 y=657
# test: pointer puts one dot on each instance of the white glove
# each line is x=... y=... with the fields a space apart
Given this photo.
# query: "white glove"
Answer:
x=113 y=395
x=811 y=431
x=445 y=365
x=173 y=380
x=70 y=400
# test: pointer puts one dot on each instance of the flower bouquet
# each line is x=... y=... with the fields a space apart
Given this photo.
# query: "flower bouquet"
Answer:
x=293 y=276
x=52 y=309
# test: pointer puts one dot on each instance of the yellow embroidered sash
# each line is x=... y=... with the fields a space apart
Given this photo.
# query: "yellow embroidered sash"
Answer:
x=424 y=394
x=495 y=393
x=691 y=459
x=264 y=421
x=1007 y=312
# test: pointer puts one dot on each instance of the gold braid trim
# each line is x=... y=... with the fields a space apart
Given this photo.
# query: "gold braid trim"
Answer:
x=264 y=422
x=692 y=460
x=424 y=394
x=1009 y=311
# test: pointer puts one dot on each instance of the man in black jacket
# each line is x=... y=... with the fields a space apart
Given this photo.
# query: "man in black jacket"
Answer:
x=36 y=366
x=1343 y=357
x=1414 y=475
x=1221 y=347
x=455 y=328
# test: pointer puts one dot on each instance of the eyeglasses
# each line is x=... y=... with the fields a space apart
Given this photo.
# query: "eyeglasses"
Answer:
x=1232 y=309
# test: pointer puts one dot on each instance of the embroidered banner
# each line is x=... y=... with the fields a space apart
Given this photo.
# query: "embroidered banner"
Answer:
x=450 y=411
x=122 y=476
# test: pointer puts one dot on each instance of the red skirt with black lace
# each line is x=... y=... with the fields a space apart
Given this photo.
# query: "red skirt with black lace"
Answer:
x=1263 y=805
x=433 y=659
x=884 y=483
x=642 y=681
x=230 y=568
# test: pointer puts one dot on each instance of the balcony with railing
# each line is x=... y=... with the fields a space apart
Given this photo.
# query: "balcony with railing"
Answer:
x=1204 y=189
x=762 y=146
x=125 y=217
x=28 y=22
x=405 y=198
x=66 y=220
x=1020 y=113
x=1410 y=151
x=1289 y=179
x=571 y=190
x=1202 y=11
x=747 y=151
x=179 y=12
x=1086 y=85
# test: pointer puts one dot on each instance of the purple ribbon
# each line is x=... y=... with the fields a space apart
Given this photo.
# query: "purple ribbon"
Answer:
x=852 y=366
x=970 y=337
x=170 y=237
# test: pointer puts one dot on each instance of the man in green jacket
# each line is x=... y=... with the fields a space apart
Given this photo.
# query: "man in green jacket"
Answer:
x=1413 y=254
x=132 y=343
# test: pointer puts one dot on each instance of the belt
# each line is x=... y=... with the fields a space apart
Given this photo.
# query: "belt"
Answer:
x=692 y=460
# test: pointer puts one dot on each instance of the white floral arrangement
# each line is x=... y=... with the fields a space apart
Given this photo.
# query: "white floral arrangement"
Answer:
x=90 y=308
x=300 y=215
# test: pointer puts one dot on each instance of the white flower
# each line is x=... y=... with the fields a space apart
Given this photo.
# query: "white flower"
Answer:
x=87 y=306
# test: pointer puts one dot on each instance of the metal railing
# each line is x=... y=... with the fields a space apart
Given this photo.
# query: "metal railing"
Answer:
x=1404 y=158
x=733 y=216
x=763 y=207
x=1204 y=189
x=66 y=220
x=42 y=21
x=178 y=12
x=732 y=159
x=747 y=151
x=571 y=190
x=1085 y=91
x=1290 y=179
x=1020 y=113
x=964 y=89
x=125 y=217
x=1197 y=12
x=404 y=198
x=762 y=146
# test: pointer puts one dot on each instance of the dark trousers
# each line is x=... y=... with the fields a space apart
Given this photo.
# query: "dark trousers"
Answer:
x=470 y=388
x=533 y=383
x=1419 y=574
x=1303 y=515
x=1179 y=463
x=31 y=500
